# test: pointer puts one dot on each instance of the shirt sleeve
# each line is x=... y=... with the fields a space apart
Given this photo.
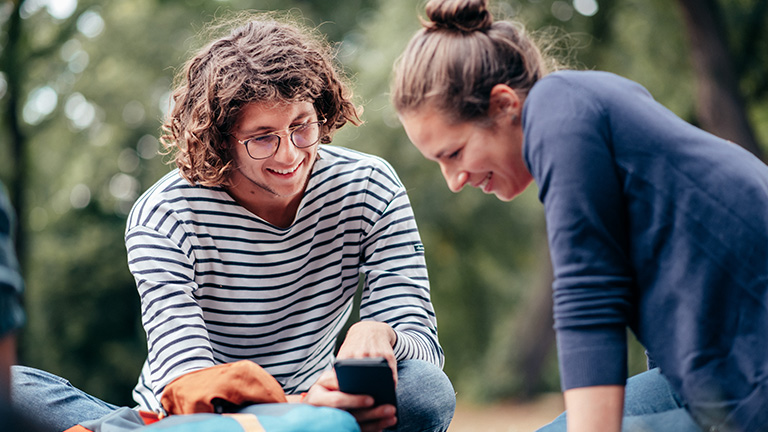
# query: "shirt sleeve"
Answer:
x=11 y=282
x=397 y=287
x=177 y=337
x=568 y=151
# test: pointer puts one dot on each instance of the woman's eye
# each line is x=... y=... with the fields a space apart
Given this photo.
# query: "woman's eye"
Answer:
x=455 y=154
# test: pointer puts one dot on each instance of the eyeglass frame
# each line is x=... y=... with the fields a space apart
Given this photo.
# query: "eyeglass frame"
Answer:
x=290 y=131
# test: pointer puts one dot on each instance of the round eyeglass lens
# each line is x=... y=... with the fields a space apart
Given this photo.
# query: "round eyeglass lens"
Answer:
x=306 y=135
x=262 y=147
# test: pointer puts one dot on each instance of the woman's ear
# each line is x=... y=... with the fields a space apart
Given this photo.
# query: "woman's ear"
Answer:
x=504 y=102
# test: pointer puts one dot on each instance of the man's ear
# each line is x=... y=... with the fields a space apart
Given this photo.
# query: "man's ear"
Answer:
x=504 y=102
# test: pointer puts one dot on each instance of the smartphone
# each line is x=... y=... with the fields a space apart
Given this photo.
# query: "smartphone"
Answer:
x=370 y=376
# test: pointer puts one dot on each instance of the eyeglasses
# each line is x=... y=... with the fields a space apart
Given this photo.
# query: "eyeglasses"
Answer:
x=265 y=146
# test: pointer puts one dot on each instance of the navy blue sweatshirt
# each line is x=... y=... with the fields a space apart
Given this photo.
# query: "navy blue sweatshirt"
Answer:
x=11 y=284
x=656 y=226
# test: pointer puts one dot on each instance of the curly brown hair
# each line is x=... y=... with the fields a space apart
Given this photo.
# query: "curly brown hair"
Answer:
x=267 y=59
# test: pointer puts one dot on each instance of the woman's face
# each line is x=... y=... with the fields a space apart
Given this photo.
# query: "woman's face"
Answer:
x=486 y=157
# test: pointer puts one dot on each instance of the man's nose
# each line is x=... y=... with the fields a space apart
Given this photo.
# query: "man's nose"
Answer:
x=286 y=151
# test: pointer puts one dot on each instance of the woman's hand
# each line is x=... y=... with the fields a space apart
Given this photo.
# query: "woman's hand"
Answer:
x=325 y=392
x=595 y=409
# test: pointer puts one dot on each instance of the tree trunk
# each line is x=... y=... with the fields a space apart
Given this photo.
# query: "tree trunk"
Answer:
x=14 y=70
x=536 y=337
x=720 y=105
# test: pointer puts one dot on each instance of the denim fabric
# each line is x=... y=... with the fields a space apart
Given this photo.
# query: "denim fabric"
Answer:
x=426 y=400
x=650 y=405
x=52 y=401
x=13 y=421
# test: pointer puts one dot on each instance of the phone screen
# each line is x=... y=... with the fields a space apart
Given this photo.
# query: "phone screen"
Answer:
x=370 y=376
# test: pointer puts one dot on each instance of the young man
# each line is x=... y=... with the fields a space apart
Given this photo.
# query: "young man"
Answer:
x=253 y=248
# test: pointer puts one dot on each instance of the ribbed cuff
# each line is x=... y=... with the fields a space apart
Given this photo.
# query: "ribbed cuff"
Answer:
x=591 y=357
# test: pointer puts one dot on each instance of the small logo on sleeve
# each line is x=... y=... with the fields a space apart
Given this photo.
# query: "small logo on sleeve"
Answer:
x=418 y=247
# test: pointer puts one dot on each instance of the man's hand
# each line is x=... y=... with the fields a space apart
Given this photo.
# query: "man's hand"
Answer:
x=364 y=339
x=325 y=392
x=370 y=339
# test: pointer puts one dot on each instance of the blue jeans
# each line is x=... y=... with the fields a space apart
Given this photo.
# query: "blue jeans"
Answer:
x=426 y=400
x=649 y=405
x=52 y=401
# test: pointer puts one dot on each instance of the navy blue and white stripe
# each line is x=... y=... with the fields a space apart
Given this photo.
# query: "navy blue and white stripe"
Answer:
x=219 y=284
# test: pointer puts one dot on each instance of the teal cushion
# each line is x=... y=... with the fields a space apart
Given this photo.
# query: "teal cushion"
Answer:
x=277 y=417
x=282 y=417
x=196 y=423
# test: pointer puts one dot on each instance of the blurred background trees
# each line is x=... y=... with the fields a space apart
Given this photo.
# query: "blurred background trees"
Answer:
x=84 y=85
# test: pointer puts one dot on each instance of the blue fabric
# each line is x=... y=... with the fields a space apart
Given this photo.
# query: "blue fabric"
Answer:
x=655 y=225
x=302 y=417
x=196 y=423
x=426 y=401
x=649 y=405
x=13 y=421
x=55 y=402
x=11 y=284
x=281 y=417
x=119 y=420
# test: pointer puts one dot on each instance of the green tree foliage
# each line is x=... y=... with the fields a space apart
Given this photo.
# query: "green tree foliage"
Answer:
x=83 y=91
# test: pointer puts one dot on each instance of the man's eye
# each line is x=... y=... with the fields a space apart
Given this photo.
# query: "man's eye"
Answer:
x=264 y=139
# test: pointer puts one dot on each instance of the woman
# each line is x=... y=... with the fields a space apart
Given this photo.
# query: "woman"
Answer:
x=653 y=224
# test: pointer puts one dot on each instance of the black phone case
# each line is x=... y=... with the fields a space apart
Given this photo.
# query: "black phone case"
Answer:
x=369 y=376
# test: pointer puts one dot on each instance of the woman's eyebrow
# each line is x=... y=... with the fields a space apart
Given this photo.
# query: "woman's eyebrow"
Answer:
x=449 y=151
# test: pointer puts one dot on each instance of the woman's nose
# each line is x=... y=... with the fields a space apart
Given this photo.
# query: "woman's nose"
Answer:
x=455 y=179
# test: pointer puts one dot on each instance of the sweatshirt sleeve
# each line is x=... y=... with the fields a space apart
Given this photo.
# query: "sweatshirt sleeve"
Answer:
x=568 y=151
x=11 y=283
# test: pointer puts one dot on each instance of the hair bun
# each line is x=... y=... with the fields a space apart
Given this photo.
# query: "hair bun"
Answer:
x=460 y=15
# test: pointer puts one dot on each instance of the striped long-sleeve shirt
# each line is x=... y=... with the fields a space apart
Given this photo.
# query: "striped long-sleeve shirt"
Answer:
x=219 y=284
